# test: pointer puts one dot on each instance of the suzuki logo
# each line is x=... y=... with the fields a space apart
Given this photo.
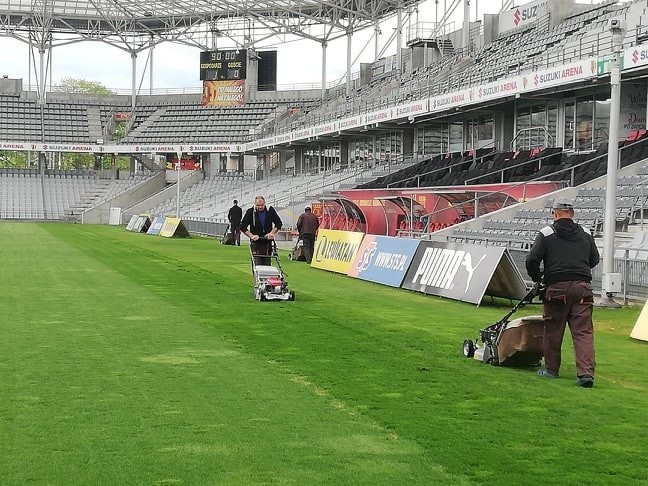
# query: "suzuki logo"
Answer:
x=516 y=17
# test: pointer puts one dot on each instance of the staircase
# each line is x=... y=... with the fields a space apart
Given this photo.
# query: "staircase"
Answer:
x=88 y=200
x=94 y=124
x=146 y=124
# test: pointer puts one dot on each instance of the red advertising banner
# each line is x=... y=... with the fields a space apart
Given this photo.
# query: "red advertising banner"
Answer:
x=123 y=116
x=224 y=93
x=186 y=163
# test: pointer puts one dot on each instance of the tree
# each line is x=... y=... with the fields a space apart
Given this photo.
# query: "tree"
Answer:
x=71 y=85
x=16 y=160
x=87 y=161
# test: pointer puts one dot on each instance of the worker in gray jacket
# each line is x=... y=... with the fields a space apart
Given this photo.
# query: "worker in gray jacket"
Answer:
x=568 y=254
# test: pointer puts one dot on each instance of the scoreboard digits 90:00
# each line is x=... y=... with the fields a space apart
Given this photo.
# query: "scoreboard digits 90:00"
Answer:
x=223 y=65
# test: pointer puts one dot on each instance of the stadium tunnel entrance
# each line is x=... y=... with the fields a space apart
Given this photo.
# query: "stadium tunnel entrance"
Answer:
x=407 y=212
x=340 y=213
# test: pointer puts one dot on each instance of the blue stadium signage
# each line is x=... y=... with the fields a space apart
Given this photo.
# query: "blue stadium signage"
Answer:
x=383 y=259
x=156 y=225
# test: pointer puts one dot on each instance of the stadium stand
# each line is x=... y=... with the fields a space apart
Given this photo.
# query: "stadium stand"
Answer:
x=515 y=52
x=193 y=123
x=27 y=195
x=62 y=122
x=181 y=119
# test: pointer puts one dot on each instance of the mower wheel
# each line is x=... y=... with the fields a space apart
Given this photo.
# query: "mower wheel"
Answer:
x=262 y=296
x=291 y=295
x=493 y=361
x=468 y=348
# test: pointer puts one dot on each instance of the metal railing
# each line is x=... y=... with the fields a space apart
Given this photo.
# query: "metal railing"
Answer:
x=528 y=138
x=631 y=263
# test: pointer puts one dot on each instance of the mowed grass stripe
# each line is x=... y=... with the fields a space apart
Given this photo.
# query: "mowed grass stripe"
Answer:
x=111 y=380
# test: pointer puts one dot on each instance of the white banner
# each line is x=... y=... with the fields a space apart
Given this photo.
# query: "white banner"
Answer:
x=561 y=75
x=418 y=107
x=519 y=17
x=353 y=122
x=378 y=116
x=450 y=100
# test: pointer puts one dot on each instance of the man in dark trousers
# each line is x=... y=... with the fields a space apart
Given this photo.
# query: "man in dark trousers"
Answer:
x=307 y=225
x=234 y=217
x=569 y=254
x=261 y=223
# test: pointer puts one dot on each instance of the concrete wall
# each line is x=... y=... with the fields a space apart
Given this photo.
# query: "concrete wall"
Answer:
x=491 y=28
x=558 y=11
x=11 y=87
x=189 y=178
x=100 y=214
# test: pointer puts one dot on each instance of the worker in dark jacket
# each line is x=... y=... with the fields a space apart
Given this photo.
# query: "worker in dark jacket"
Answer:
x=307 y=225
x=568 y=254
x=261 y=223
x=234 y=217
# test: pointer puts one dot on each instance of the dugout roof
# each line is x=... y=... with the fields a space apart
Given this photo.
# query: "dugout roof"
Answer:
x=207 y=24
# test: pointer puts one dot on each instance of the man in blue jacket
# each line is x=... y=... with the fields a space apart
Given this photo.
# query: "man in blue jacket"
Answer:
x=569 y=254
x=261 y=223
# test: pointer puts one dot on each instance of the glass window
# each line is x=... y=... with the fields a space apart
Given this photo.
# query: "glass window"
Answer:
x=601 y=119
x=456 y=137
x=485 y=131
x=584 y=123
x=552 y=123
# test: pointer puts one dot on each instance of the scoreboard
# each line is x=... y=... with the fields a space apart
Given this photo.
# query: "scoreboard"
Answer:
x=223 y=65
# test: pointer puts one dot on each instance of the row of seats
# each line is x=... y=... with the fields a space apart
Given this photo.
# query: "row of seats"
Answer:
x=26 y=195
x=524 y=50
x=169 y=122
x=487 y=166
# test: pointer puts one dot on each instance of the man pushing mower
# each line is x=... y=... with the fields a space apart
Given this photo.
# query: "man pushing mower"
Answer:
x=261 y=223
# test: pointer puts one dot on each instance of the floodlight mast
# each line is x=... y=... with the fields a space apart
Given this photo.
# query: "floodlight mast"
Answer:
x=611 y=281
x=179 y=169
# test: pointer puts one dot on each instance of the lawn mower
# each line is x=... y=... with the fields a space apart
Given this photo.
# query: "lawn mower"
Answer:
x=297 y=254
x=269 y=280
x=510 y=343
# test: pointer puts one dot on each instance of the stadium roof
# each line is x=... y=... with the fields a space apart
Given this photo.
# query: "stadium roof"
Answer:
x=134 y=25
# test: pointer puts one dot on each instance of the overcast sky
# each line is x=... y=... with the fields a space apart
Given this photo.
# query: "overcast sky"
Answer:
x=176 y=66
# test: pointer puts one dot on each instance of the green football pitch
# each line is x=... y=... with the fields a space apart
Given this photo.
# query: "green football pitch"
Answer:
x=132 y=359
